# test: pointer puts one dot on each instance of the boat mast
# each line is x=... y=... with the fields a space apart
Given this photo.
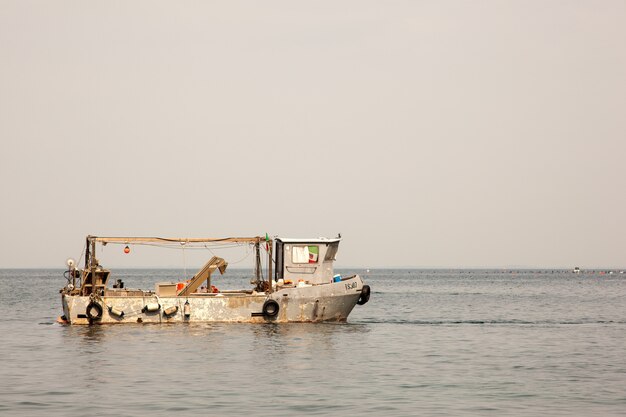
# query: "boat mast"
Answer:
x=87 y=243
x=269 y=265
x=257 y=266
x=94 y=261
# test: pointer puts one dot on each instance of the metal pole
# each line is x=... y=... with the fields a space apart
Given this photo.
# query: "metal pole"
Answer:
x=93 y=255
x=87 y=253
x=269 y=264
x=94 y=263
x=257 y=271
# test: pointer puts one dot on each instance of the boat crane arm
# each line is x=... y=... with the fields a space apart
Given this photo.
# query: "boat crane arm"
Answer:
x=204 y=274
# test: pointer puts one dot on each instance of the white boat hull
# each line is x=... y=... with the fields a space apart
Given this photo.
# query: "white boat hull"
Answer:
x=316 y=303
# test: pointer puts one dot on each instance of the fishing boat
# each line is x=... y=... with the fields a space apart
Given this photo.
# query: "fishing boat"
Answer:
x=302 y=287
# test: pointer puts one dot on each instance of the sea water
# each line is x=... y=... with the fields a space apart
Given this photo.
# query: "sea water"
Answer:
x=429 y=343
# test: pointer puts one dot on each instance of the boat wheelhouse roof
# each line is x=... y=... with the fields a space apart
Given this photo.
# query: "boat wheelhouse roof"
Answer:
x=318 y=240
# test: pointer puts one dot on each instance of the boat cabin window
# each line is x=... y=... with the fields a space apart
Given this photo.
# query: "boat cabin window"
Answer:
x=305 y=254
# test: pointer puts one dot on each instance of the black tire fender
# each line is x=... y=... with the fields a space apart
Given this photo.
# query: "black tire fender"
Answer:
x=270 y=308
x=365 y=295
x=94 y=311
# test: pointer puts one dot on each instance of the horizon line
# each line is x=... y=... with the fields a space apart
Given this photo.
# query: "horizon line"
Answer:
x=371 y=267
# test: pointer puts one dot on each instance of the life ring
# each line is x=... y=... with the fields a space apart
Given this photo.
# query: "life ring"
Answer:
x=365 y=295
x=270 y=308
x=94 y=311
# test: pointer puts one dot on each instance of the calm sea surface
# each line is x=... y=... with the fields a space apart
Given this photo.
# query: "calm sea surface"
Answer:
x=429 y=343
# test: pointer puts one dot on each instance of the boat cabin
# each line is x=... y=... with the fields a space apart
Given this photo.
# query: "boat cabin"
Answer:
x=308 y=260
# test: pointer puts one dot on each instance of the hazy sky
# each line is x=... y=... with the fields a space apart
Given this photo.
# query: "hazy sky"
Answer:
x=428 y=133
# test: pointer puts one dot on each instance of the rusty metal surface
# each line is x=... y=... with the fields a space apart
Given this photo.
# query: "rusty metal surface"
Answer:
x=316 y=303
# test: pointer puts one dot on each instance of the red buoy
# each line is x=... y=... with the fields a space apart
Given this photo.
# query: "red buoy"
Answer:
x=126 y=249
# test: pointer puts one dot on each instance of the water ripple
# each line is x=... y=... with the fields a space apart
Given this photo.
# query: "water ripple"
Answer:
x=428 y=343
